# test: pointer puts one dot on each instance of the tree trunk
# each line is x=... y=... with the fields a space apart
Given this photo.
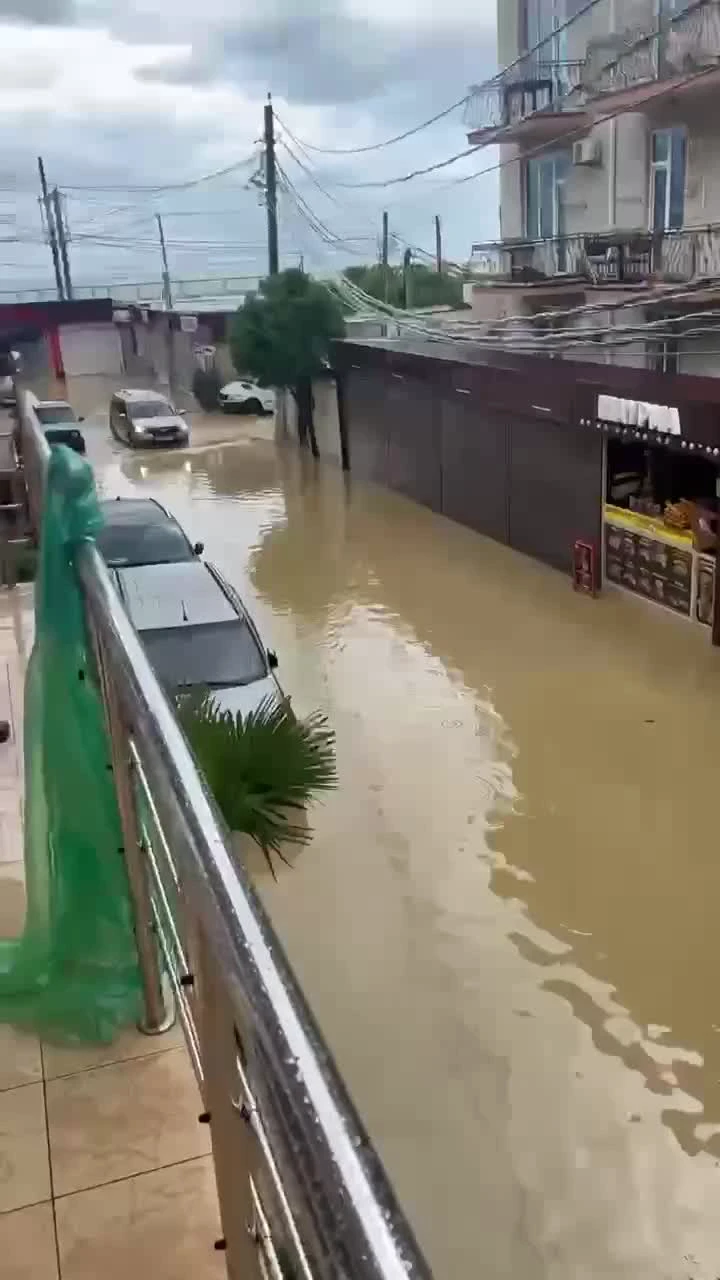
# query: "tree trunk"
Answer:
x=306 y=425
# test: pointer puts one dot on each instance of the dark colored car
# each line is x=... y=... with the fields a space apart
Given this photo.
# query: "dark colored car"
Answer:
x=58 y=421
x=141 y=531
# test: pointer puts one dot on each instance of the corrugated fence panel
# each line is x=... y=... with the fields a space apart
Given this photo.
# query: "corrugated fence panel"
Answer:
x=413 y=462
x=366 y=424
x=555 y=490
x=474 y=467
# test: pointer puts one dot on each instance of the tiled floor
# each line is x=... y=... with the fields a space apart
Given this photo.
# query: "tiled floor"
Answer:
x=104 y=1168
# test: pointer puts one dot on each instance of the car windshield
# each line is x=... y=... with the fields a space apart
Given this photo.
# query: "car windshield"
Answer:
x=214 y=655
x=51 y=413
x=150 y=409
x=125 y=544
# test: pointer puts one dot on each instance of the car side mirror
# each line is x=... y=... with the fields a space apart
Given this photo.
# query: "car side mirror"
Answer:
x=181 y=413
x=272 y=660
x=198 y=548
x=81 y=418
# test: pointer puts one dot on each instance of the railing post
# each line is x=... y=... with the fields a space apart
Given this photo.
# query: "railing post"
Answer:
x=157 y=1016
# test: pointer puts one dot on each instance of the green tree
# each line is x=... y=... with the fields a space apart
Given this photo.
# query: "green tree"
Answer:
x=428 y=288
x=263 y=769
x=282 y=335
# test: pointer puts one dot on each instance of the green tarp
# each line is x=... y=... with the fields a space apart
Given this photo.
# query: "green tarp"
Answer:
x=73 y=974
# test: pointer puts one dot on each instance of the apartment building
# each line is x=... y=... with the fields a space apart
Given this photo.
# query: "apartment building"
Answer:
x=606 y=120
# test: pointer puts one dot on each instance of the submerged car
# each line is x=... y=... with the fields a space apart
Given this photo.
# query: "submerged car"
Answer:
x=141 y=418
x=142 y=531
x=58 y=421
x=198 y=635
x=246 y=397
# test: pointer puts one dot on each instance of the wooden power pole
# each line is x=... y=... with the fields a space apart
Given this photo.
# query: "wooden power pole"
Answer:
x=271 y=190
x=52 y=235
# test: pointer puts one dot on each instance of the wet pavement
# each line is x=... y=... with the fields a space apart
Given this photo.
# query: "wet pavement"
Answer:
x=506 y=921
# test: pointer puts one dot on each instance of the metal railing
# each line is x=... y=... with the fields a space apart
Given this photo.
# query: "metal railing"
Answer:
x=608 y=46
x=688 y=255
x=302 y=1192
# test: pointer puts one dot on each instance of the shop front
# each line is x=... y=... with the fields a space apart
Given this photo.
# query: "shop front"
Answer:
x=660 y=509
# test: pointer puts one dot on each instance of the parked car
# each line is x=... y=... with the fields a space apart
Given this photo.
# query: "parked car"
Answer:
x=198 y=635
x=146 y=418
x=10 y=364
x=57 y=419
x=141 y=531
x=246 y=397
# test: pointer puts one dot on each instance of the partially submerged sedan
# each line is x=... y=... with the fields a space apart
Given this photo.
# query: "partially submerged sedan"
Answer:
x=198 y=635
x=142 y=531
x=58 y=421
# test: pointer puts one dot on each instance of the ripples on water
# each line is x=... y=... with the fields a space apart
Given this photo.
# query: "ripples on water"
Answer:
x=506 y=921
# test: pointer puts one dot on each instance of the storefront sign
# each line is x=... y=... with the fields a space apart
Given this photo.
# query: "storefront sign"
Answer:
x=638 y=413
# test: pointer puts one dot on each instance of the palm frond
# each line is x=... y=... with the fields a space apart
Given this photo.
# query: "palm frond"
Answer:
x=261 y=767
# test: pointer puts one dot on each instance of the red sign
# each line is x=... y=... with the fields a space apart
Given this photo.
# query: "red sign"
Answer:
x=584 y=568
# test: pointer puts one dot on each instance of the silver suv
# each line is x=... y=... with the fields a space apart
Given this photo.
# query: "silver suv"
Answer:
x=146 y=417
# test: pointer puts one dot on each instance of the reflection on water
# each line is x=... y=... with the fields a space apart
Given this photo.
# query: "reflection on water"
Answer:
x=506 y=919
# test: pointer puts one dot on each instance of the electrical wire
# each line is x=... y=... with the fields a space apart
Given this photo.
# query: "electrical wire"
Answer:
x=378 y=146
x=169 y=186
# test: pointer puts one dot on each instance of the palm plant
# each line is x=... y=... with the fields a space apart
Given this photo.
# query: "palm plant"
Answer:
x=262 y=768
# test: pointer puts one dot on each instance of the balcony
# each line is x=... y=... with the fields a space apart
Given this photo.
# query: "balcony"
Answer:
x=690 y=255
x=541 y=99
x=531 y=104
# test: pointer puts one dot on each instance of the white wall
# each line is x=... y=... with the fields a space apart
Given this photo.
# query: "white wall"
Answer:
x=91 y=349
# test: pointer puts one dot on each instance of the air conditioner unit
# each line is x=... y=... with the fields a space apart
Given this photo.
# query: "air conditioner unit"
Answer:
x=587 y=151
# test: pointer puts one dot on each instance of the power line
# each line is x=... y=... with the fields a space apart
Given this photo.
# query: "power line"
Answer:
x=169 y=186
x=388 y=142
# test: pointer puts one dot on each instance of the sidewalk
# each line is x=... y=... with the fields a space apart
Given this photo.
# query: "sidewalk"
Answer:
x=104 y=1168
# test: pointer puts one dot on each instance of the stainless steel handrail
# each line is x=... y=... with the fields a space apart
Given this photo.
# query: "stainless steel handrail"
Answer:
x=291 y=1156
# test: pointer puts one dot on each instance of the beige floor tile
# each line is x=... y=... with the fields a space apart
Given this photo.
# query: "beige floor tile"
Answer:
x=24 y=1166
x=67 y=1060
x=128 y=1118
x=12 y=899
x=161 y=1224
x=27 y=1244
x=20 y=1061
x=11 y=833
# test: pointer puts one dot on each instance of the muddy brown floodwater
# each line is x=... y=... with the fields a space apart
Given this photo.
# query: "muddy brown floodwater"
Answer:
x=507 y=920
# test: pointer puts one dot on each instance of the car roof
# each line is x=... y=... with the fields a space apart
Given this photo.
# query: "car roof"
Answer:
x=139 y=393
x=134 y=511
x=174 y=595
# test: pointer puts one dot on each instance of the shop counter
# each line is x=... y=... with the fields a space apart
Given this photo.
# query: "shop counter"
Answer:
x=651 y=559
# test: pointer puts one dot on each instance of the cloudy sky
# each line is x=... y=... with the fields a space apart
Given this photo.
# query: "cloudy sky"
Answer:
x=122 y=96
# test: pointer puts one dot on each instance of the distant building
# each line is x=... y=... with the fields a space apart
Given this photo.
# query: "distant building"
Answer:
x=607 y=119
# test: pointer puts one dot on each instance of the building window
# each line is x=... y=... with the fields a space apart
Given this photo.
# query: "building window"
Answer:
x=664 y=355
x=668 y=165
x=544 y=195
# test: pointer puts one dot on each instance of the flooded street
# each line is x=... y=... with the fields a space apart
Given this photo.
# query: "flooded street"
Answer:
x=506 y=922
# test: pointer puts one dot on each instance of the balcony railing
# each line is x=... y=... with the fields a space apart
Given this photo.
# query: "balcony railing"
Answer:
x=302 y=1192
x=588 y=59
x=685 y=256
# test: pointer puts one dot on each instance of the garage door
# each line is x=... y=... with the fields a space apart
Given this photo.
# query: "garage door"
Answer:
x=555 y=490
x=90 y=348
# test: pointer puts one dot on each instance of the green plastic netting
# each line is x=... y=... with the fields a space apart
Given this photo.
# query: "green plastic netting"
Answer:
x=72 y=975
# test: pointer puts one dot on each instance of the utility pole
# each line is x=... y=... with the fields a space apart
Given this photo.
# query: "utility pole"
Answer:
x=438 y=244
x=50 y=220
x=386 y=253
x=167 y=303
x=271 y=190
x=407 y=279
x=166 y=289
x=61 y=232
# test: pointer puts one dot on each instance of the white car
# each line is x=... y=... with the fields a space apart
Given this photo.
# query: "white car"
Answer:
x=247 y=397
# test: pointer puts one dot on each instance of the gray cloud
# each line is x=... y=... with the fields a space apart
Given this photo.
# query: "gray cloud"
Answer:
x=325 y=56
x=52 y=13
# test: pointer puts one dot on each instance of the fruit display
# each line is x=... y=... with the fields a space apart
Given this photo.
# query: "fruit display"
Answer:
x=678 y=515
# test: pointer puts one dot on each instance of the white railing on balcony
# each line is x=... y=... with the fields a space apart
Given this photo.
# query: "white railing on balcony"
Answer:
x=631 y=257
x=606 y=47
